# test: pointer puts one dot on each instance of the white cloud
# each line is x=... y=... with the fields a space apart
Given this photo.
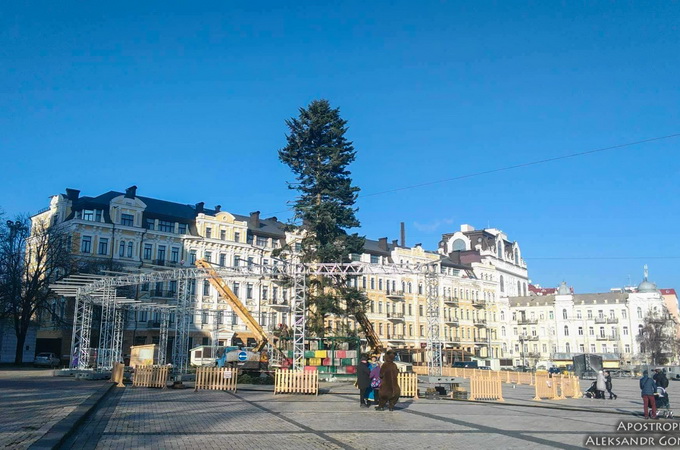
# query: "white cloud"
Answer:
x=432 y=226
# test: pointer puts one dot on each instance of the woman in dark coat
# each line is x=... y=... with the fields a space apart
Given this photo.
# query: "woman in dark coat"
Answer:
x=608 y=385
x=389 y=387
x=363 y=380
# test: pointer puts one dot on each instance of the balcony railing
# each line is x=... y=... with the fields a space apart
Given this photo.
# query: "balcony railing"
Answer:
x=479 y=303
x=612 y=320
x=525 y=321
x=527 y=337
x=607 y=337
x=600 y=320
x=451 y=301
x=395 y=337
x=395 y=294
x=279 y=303
x=480 y=322
x=451 y=320
x=395 y=315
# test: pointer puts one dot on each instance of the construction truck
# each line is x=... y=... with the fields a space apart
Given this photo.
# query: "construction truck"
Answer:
x=247 y=359
x=375 y=346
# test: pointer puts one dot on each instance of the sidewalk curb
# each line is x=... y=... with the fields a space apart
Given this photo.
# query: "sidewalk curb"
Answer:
x=547 y=406
x=66 y=426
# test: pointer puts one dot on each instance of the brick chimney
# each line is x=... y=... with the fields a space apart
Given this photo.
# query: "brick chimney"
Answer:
x=382 y=243
x=199 y=207
x=254 y=220
x=72 y=194
x=395 y=243
x=131 y=192
x=218 y=208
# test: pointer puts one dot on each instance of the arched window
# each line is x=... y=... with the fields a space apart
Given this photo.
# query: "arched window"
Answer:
x=503 y=331
x=502 y=316
x=516 y=256
x=502 y=284
x=566 y=330
x=564 y=314
x=121 y=249
x=639 y=312
x=640 y=330
x=567 y=347
x=500 y=250
x=129 y=248
x=519 y=288
x=458 y=244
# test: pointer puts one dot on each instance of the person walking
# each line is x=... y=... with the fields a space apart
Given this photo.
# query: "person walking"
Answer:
x=608 y=384
x=601 y=385
x=363 y=380
x=374 y=365
x=389 y=388
x=647 y=390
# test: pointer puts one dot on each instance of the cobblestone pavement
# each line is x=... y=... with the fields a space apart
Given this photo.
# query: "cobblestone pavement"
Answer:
x=254 y=418
x=32 y=401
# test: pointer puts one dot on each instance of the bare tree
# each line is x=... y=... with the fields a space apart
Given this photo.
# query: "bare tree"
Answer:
x=31 y=257
x=657 y=337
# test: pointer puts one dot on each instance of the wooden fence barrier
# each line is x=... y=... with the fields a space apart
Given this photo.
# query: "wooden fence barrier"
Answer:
x=485 y=389
x=216 y=378
x=117 y=374
x=151 y=376
x=570 y=387
x=408 y=383
x=296 y=382
x=420 y=370
x=546 y=387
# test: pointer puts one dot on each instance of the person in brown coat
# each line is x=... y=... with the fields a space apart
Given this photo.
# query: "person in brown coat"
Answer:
x=389 y=387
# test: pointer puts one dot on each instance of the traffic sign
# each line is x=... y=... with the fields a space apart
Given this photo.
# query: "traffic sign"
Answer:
x=242 y=356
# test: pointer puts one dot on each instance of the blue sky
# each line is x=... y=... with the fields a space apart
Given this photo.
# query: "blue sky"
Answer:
x=188 y=102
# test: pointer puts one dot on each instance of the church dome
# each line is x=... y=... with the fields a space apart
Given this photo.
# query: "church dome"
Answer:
x=647 y=286
x=563 y=289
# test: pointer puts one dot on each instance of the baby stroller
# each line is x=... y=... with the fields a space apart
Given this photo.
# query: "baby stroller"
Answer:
x=592 y=391
x=663 y=402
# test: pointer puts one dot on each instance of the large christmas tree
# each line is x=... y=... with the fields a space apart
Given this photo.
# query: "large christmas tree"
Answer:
x=318 y=154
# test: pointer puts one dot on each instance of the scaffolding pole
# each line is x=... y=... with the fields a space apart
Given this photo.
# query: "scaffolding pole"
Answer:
x=106 y=327
x=118 y=328
x=163 y=338
x=82 y=327
x=299 y=315
x=434 y=342
x=180 y=348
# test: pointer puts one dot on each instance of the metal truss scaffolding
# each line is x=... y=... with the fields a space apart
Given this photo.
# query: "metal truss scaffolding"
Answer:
x=180 y=348
x=299 y=315
x=434 y=342
x=106 y=328
x=120 y=314
x=82 y=327
x=163 y=338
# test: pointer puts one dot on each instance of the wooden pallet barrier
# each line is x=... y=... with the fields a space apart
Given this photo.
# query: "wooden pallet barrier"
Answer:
x=486 y=389
x=296 y=382
x=151 y=376
x=546 y=387
x=117 y=374
x=216 y=378
x=570 y=387
x=408 y=383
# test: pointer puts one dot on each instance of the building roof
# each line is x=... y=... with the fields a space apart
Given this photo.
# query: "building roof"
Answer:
x=668 y=292
x=588 y=299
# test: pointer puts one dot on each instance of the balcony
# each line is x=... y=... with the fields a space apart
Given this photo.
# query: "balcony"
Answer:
x=279 y=304
x=612 y=320
x=395 y=337
x=527 y=337
x=451 y=321
x=451 y=301
x=607 y=338
x=478 y=303
x=480 y=322
x=600 y=320
x=395 y=294
x=396 y=316
x=525 y=321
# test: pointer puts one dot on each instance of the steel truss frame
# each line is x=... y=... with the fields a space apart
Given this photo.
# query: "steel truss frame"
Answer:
x=86 y=289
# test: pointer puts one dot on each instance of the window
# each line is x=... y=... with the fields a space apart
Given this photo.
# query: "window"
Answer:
x=590 y=313
x=503 y=331
x=379 y=307
x=578 y=314
x=581 y=348
x=129 y=249
x=207 y=256
x=564 y=314
x=192 y=257
x=410 y=310
x=567 y=347
x=410 y=329
x=236 y=288
x=550 y=315
x=147 y=251
x=593 y=349
x=250 y=261
x=150 y=224
x=86 y=244
x=121 y=249
x=164 y=225
x=624 y=314
x=380 y=284
x=601 y=331
x=249 y=290
x=161 y=253
x=611 y=314
x=261 y=241
x=223 y=259
x=422 y=331
x=566 y=330
x=591 y=331
x=88 y=214
x=208 y=232
x=182 y=228
x=372 y=306
x=420 y=310
x=237 y=260
x=172 y=287
x=625 y=331
x=639 y=313
x=627 y=348
x=237 y=236
x=103 y=246
x=127 y=220
x=372 y=283
x=174 y=254
x=223 y=235
x=375 y=259
x=501 y=280
x=206 y=287
x=580 y=331
x=380 y=328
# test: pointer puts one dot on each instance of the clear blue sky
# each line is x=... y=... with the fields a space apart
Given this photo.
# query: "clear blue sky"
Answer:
x=188 y=102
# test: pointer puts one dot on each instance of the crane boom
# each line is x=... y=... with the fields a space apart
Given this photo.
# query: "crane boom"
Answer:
x=228 y=296
x=371 y=337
